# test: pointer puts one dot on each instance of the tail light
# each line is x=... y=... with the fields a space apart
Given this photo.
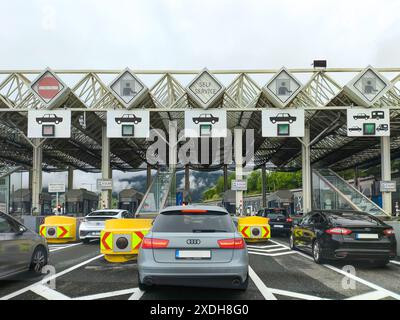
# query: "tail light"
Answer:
x=388 y=232
x=339 y=231
x=151 y=243
x=237 y=243
x=289 y=220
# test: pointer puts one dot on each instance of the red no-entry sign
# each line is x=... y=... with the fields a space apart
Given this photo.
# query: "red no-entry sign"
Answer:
x=48 y=87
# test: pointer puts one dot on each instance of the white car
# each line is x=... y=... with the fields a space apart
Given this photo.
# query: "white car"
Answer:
x=94 y=222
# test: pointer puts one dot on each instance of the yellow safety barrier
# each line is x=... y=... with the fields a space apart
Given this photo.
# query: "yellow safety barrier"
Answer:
x=59 y=229
x=121 y=238
x=254 y=229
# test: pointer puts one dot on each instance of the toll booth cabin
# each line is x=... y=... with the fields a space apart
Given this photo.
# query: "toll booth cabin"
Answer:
x=282 y=199
x=80 y=202
x=129 y=200
x=21 y=202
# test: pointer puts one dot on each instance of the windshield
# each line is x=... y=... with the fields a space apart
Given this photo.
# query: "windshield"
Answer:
x=176 y=221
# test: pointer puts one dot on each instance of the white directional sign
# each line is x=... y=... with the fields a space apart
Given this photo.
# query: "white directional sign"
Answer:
x=205 y=89
x=128 y=123
x=367 y=87
x=239 y=185
x=56 y=187
x=368 y=122
x=104 y=184
x=282 y=122
x=205 y=123
x=128 y=89
x=49 y=124
x=49 y=88
x=282 y=88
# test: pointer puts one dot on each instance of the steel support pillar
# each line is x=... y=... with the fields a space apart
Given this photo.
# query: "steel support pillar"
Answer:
x=238 y=136
x=306 y=170
x=173 y=141
x=187 y=180
x=37 y=158
x=386 y=173
x=264 y=186
x=225 y=177
x=70 y=178
x=148 y=176
x=105 y=168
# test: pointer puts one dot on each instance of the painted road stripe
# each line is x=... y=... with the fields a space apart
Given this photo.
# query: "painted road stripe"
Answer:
x=395 y=262
x=296 y=295
x=65 y=247
x=374 y=295
x=271 y=254
x=265 y=291
x=48 y=293
x=263 y=247
x=266 y=250
x=137 y=295
x=351 y=276
x=107 y=294
x=47 y=279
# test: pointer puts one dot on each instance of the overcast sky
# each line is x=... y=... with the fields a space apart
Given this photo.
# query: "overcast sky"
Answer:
x=182 y=34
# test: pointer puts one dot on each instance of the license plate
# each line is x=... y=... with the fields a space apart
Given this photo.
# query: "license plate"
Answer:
x=278 y=226
x=367 y=236
x=193 y=254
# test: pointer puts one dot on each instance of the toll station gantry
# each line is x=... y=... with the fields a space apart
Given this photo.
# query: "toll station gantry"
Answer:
x=328 y=119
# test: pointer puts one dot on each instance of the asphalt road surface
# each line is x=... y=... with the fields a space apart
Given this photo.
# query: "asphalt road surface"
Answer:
x=79 y=271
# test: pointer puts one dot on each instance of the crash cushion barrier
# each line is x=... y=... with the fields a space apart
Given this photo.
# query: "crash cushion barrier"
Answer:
x=396 y=228
x=59 y=229
x=247 y=224
x=121 y=238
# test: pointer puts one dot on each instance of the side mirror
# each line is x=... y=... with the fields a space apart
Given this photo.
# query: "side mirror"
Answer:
x=21 y=230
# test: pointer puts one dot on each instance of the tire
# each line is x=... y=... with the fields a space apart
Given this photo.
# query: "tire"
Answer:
x=85 y=241
x=118 y=122
x=196 y=122
x=39 y=122
x=316 y=252
x=290 y=121
x=213 y=122
x=143 y=286
x=380 y=263
x=273 y=121
x=39 y=260
x=57 y=122
x=292 y=246
x=243 y=286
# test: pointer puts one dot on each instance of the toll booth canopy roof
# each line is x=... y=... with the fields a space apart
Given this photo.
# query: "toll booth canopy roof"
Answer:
x=324 y=99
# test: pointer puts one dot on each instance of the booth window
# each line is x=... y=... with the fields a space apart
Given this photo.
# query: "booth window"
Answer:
x=205 y=130
x=369 y=129
x=128 y=130
x=48 y=130
x=283 y=129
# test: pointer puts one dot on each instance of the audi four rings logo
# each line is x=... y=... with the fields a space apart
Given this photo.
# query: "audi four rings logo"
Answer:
x=193 y=241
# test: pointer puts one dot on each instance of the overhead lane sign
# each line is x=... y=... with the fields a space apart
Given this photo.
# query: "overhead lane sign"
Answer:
x=209 y=123
x=282 y=122
x=368 y=122
x=128 y=89
x=205 y=89
x=128 y=123
x=367 y=87
x=49 y=88
x=282 y=88
x=49 y=124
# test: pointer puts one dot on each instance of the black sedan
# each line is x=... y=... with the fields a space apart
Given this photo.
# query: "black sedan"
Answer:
x=337 y=235
x=279 y=219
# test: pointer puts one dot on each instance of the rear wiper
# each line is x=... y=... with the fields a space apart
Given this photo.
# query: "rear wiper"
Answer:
x=207 y=230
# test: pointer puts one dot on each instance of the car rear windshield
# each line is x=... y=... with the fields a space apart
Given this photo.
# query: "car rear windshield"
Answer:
x=103 y=214
x=353 y=218
x=275 y=213
x=177 y=221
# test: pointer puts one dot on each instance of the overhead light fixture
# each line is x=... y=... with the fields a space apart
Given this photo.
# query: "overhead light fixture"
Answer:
x=320 y=63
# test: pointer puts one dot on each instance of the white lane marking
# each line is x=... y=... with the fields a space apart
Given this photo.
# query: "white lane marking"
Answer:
x=264 y=247
x=64 y=247
x=107 y=294
x=265 y=291
x=266 y=250
x=137 y=295
x=271 y=254
x=48 y=293
x=349 y=275
x=395 y=262
x=47 y=279
x=296 y=294
x=373 y=295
